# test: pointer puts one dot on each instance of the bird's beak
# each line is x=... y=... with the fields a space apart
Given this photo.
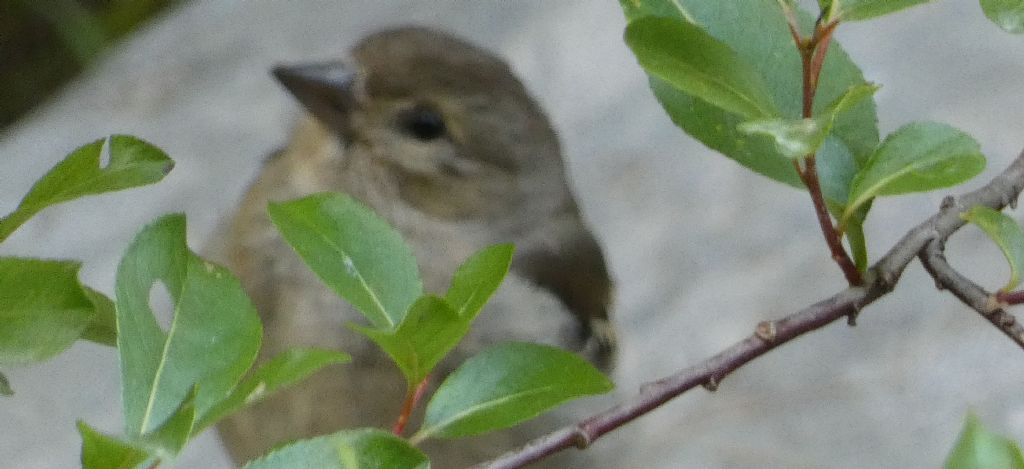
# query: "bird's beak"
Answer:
x=325 y=89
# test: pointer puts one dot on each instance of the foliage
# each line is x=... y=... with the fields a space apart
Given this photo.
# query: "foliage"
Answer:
x=1006 y=233
x=505 y=385
x=977 y=448
x=179 y=380
x=737 y=89
x=740 y=76
x=43 y=307
x=498 y=388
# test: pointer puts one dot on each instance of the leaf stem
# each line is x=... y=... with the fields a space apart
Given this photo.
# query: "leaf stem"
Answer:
x=1011 y=298
x=412 y=397
x=812 y=56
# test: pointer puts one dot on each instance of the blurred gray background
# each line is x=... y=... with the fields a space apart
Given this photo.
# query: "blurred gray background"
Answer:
x=701 y=249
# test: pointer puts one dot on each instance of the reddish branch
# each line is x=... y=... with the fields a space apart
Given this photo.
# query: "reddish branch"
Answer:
x=809 y=176
x=882 y=278
x=812 y=57
x=1011 y=298
x=412 y=397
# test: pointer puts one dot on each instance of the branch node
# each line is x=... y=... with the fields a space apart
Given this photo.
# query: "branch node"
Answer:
x=711 y=384
x=885 y=279
x=992 y=304
x=580 y=438
x=766 y=331
x=851 y=318
x=948 y=202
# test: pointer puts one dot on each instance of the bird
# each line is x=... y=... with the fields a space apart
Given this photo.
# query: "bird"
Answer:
x=439 y=138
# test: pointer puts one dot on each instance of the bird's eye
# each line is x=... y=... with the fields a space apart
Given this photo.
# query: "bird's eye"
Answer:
x=423 y=123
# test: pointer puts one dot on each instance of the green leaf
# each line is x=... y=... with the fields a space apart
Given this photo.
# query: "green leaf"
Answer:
x=1007 y=235
x=354 y=252
x=286 y=369
x=478 y=278
x=434 y=326
x=430 y=330
x=167 y=440
x=348 y=449
x=758 y=33
x=103 y=327
x=42 y=308
x=802 y=137
x=918 y=157
x=857 y=10
x=694 y=62
x=100 y=451
x=855 y=237
x=978 y=448
x=793 y=138
x=5 y=386
x=505 y=385
x=1007 y=14
x=133 y=162
x=212 y=340
x=825 y=6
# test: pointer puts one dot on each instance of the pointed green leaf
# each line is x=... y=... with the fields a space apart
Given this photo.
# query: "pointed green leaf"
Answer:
x=758 y=33
x=133 y=162
x=694 y=62
x=348 y=449
x=100 y=451
x=43 y=309
x=426 y=335
x=354 y=252
x=212 y=340
x=286 y=369
x=505 y=385
x=855 y=237
x=977 y=448
x=103 y=327
x=5 y=386
x=1007 y=14
x=478 y=278
x=857 y=10
x=802 y=137
x=167 y=440
x=718 y=130
x=918 y=157
x=1007 y=235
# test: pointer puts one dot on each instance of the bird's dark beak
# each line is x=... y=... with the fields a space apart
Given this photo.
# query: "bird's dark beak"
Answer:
x=325 y=89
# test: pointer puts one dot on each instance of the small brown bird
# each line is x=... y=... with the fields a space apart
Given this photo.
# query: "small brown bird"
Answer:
x=439 y=138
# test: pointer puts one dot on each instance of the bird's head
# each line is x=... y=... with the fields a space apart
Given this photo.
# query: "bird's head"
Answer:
x=450 y=121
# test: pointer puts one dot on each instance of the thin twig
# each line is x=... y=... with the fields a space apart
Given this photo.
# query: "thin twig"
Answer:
x=818 y=57
x=999 y=192
x=934 y=260
x=812 y=56
x=835 y=245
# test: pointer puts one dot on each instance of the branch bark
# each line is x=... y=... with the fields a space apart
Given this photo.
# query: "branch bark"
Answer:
x=1001 y=191
x=986 y=304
